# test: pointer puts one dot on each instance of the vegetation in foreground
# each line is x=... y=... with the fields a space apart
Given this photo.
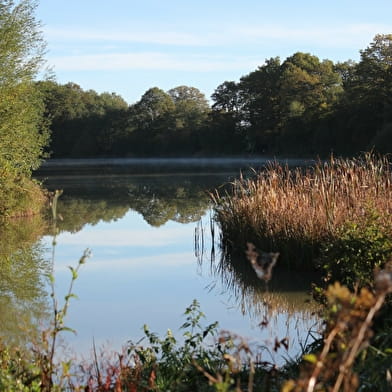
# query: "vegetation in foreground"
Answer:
x=353 y=354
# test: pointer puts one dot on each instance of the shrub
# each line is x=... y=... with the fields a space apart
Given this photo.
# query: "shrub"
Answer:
x=356 y=249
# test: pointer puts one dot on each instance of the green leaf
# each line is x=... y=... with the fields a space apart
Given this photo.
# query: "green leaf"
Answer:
x=312 y=358
x=74 y=273
x=68 y=329
x=69 y=296
x=50 y=278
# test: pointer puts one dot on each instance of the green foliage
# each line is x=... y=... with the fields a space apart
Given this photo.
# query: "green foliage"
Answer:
x=365 y=110
x=261 y=117
x=19 y=195
x=374 y=366
x=191 y=108
x=82 y=123
x=173 y=363
x=165 y=123
x=308 y=86
x=18 y=371
x=356 y=249
x=306 y=106
x=302 y=105
x=227 y=98
x=22 y=130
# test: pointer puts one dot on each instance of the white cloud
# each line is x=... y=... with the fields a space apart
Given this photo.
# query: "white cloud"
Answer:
x=330 y=35
x=151 y=61
x=159 y=37
x=117 y=237
x=236 y=48
x=123 y=264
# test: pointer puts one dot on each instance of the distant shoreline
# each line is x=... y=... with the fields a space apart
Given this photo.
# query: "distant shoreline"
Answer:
x=153 y=161
x=107 y=166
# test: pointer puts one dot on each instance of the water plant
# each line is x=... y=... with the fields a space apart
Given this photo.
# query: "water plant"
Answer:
x=296 y=210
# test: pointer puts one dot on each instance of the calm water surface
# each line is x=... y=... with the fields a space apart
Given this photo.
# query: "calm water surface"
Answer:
x=140 y=223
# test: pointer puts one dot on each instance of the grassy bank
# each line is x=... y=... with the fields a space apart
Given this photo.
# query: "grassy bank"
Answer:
x=296 y=211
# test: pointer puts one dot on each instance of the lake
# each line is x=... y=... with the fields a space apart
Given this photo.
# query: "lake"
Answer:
x=148 y=225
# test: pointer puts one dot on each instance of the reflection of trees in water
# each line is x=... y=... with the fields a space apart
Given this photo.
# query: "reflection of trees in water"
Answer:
x=88 y=200
x=287 y=292
x=22 y=289
x=182 y=202
x=75 y=213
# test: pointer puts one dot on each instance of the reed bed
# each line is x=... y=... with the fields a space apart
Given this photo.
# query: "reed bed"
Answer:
x=294 y=210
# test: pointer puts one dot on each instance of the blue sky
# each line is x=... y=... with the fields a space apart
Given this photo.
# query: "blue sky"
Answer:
x=127 y=46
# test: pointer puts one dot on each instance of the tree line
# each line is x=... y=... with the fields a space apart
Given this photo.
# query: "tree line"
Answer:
x=299 y=106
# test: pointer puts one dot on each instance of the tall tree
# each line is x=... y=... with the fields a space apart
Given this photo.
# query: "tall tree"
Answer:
x=309 y=87
x=227 y=98
x=260 y=94
x=153 y=109
x=374 y=88
x=365 y=115
x=22 y=134
x=191 y=107
x=226 y=121
x=260 y=97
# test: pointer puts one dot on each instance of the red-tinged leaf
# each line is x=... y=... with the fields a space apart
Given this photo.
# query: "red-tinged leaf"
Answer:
x=151 y=380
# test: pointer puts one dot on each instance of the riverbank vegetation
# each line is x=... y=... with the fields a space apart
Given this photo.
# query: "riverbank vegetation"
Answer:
x=334 y=217
x=299 y=211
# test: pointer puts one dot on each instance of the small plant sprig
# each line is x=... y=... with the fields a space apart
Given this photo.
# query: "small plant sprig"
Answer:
x=50 y=335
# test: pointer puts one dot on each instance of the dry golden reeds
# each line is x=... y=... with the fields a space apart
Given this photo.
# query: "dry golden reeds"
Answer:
x=293 y=210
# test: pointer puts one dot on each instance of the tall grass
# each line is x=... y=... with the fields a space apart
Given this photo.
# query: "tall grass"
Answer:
x=295 y=210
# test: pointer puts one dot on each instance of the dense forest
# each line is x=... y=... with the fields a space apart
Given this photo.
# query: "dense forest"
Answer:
x=299 y=106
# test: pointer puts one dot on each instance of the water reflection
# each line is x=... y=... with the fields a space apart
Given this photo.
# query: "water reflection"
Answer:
x=286 y=293
x=23 y=298
x=89 y=199
x=141 y=229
